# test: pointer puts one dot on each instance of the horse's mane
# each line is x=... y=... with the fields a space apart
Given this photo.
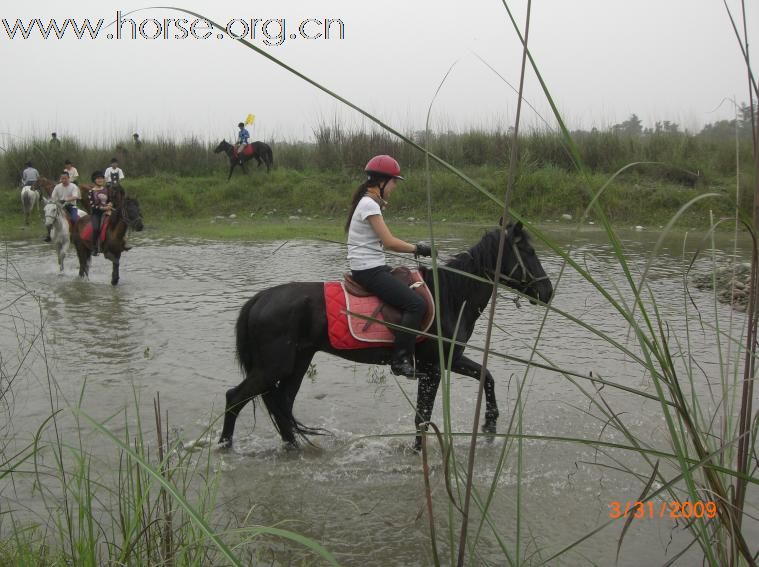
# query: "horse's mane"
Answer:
x=479 y=260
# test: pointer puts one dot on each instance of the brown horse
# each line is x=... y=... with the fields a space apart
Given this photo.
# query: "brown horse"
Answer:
x=255 y=150
x=84 y=192
x=44 y=186
x=126 y=214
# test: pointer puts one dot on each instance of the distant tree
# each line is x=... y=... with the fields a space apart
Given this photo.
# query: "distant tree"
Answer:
x=720 y=130
x=630 y=127
x=724 y=129
x=666 y=127
x=745 y=120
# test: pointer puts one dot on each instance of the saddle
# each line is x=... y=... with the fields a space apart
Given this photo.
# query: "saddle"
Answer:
x=350 y=310
x=247 y=151
x=86 y=231
x=390 y=313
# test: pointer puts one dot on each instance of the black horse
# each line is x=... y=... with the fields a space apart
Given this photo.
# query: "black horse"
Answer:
x=261 y=153
x=281 y=328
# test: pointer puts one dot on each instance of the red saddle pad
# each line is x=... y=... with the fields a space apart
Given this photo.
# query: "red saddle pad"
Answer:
x=347 y=331
x=86 y=233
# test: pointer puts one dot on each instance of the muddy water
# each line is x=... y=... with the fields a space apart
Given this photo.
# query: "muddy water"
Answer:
x=168 y=328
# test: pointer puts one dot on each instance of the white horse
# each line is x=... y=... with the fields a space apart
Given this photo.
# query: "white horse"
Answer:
x=30 y=198
x=55 y=220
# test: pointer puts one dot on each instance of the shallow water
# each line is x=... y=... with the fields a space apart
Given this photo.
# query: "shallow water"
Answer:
x=168 y=327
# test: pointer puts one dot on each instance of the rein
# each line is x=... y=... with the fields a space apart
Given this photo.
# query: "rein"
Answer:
x=122 y=215
x=55 y=216
x=528 y=279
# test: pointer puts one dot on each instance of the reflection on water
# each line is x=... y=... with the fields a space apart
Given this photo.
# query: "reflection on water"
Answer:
x=168 y=327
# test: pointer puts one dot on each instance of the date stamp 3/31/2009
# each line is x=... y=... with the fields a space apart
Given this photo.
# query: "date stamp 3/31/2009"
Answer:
x=674 y=510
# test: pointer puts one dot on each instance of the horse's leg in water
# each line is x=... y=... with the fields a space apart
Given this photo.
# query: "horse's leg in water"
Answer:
x=468 y=367
x=84 y=257
x=425 y=401
x=237 y=398
x=60 y=250
x=280 y=400
x=116 y=259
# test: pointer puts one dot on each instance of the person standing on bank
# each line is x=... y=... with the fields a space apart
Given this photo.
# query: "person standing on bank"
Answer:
x=368 y=237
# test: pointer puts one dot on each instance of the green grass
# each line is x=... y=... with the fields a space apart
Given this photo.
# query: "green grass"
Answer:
x=265 y=206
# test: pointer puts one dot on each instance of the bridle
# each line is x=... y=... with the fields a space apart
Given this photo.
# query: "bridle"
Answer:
x=528 y=279
x=122 y=214
x=56 y=215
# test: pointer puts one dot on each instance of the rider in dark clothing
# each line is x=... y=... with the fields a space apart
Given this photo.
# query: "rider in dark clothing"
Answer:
x=100 y=202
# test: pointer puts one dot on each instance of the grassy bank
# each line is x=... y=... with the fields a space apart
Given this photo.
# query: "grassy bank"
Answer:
x=290 y=203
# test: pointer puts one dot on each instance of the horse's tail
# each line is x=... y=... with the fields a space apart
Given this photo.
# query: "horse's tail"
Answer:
x=244 y=332
x=279 y=405
x=277 y=398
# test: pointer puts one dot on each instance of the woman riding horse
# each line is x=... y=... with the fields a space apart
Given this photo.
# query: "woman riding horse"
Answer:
x=368 y=237
x=126 y=214
x=100 y=204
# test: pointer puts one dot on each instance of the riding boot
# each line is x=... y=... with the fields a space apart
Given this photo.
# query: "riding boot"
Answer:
x=47 y=238
x=402 y=364
x=402 y=359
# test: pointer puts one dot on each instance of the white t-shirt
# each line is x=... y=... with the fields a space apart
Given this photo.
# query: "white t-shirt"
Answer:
x=61 y=192
x=112 y=170
x=364 y=246
x=73 y=173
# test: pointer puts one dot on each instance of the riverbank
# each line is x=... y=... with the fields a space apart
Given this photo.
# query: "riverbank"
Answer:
x=290 y=203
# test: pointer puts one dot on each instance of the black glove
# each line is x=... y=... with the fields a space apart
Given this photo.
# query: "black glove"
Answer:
x=422 y=249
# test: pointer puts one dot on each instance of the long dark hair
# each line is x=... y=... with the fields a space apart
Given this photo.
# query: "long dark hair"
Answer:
x=375 y=180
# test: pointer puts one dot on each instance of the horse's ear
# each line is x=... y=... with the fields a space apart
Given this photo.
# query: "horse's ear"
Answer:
x=517 y=227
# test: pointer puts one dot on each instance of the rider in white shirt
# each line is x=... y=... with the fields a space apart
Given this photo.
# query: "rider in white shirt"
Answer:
x=113 y=174
x=67 y=194
x=73 y=173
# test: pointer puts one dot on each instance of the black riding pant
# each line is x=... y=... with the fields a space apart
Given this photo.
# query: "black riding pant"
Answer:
x=394 y=292
x=97 y=222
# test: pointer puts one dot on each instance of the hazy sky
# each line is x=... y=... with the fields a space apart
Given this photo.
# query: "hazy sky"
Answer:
x=602 y=60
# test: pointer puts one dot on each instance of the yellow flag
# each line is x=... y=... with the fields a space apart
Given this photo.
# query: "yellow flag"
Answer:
x=249 y=119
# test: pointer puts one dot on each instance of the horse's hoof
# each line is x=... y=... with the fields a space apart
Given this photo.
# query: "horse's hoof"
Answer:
x=489 y=429
x=224 y=444
x=291 y=445
x=417 y=446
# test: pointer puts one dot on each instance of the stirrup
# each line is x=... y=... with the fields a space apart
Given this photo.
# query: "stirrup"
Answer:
x=404 y=367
